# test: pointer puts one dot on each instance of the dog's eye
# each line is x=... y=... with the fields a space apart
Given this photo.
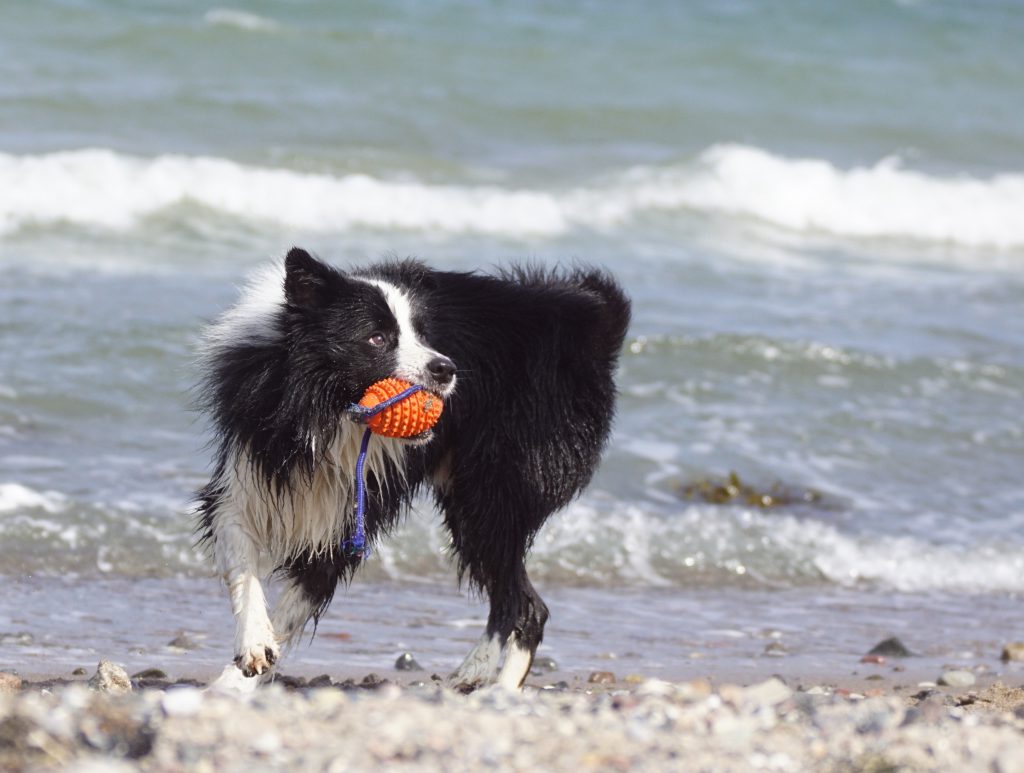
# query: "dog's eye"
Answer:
x=377 y=339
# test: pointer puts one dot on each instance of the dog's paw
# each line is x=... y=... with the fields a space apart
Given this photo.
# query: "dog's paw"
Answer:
x=257 y=659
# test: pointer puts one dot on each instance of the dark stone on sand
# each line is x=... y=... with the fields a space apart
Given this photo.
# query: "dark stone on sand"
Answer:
x=79 y=672
x=150 y=673
x=324 y=680
x=372 y=682
x=891 y=648
x=601 y=677
x=406 y=662
x=183 y=642
x=290 y=682
x=543 y=665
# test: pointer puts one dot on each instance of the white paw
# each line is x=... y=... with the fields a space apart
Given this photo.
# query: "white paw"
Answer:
x=232 y=681
x=256 y=659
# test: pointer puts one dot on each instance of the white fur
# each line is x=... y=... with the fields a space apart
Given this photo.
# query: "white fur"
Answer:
x=252 y=316
x=517 y=664
x=413 y=355
x=480 y=664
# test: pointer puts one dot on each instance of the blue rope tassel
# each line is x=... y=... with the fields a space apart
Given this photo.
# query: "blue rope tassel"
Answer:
x=356 y=547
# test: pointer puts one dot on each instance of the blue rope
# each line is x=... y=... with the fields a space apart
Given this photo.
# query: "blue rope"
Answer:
x=356 y=547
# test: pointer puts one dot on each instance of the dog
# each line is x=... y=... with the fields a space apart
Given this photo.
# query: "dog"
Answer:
x=524 y=361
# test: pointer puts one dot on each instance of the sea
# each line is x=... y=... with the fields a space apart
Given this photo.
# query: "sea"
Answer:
x=817 y=209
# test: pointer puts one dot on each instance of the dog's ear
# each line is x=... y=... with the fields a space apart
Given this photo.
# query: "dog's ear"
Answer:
x=306 y=280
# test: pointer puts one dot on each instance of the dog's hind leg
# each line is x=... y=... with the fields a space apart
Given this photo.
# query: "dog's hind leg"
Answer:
x=515 y=626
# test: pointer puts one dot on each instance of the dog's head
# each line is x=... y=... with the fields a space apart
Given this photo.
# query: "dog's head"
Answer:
x=351 y=331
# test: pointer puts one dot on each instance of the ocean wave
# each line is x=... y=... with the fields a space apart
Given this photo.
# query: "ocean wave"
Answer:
x=229 y=17
x=102 y=188
x=597 y=542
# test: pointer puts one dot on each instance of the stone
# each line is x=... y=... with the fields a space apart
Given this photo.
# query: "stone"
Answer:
x=1013 y=651
x=182 y=642
x=406 y=662
x=9 y=683
x=543 y=665
x=891 y=648
x=767 y=693
x=110 y=678
x=150 y=673
x=79 y=672
x=957 y=679
x=601 y=677
x=324 y=680
x=181 y=702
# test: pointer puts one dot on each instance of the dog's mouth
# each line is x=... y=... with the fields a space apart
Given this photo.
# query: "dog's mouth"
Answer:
x=419 y=440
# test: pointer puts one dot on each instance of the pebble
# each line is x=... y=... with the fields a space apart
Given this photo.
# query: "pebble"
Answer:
x=891 y=648
x=543 y=665
x=110 y=678
x=9 y=683
x=406 y=662
x=601 y=677
x=1013 y=651
x=183 y=642
x=767 y=693
x=957 y=679
x=150 y=673
x=182 y=702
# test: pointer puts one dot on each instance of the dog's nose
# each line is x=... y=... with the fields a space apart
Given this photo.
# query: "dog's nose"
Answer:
x=442 y=369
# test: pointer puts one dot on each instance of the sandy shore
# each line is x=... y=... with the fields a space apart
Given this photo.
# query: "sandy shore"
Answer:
x=409 y=721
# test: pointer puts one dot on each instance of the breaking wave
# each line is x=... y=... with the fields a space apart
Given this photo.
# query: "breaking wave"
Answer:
x=105 y=189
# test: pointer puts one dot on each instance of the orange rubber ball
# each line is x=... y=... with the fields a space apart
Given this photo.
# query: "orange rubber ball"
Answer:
x=409 y=417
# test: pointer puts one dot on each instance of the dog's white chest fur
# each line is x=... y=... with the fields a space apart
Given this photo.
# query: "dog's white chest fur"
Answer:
x=316 y=513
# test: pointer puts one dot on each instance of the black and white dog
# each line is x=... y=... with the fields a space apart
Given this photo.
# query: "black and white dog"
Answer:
x=524 y=361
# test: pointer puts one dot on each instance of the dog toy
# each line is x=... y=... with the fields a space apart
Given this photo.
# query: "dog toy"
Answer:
x=394 y=413
x=392 y=408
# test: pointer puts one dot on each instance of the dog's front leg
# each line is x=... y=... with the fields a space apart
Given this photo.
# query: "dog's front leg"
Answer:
x=256 y=647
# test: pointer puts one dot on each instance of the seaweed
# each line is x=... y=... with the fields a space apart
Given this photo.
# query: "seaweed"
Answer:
x=731 y=490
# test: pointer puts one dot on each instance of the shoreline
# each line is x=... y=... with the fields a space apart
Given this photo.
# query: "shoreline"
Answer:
x=648 y=724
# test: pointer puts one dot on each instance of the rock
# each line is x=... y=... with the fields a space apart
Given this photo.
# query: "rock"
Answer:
x=1013 y=651
x=324 y=680
x=878 y=660
x=767 y=693
x=543 y=665
x=406 y=662
x=601 y=677
x=79 y=672
x=634 y=679
x=372 y=682
x=891 y=648
x=775 y=649
x=957 y=679
x=110 y=678
x=150 y=673
x=181 y=702
x=183 y=642
x=9 y=683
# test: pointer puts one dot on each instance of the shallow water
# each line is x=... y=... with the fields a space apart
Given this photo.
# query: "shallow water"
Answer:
x=816 y=214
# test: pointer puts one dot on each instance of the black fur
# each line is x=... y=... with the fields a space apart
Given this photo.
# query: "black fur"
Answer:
x=520 y=437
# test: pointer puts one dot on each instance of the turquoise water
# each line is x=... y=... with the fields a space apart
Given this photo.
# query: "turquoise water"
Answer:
x=816 y=209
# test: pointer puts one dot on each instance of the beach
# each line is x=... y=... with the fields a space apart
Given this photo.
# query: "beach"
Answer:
x=645 y=725
x=817 y=444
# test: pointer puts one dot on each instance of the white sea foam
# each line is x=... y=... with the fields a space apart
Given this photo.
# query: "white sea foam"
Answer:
x=15 y=497
x=105 y=189
x=229 y=17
